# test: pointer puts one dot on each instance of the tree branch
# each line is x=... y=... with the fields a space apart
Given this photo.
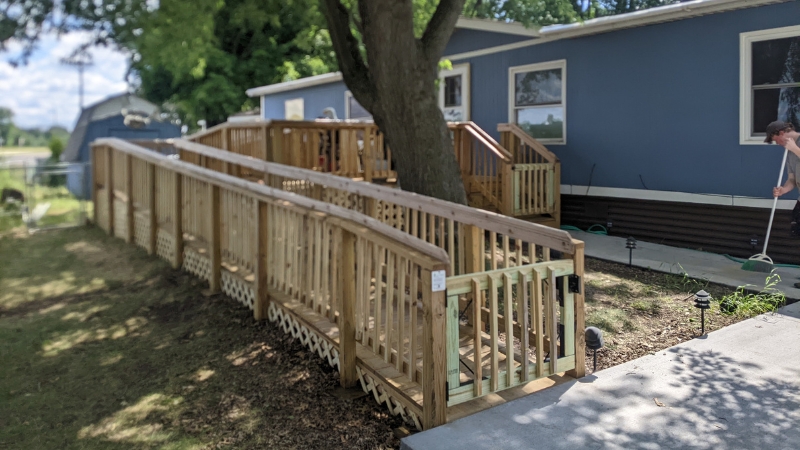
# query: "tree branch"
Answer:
x=440 y=27
x=351 y=63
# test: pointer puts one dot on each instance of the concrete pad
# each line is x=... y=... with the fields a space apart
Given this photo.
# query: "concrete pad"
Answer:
x=739 y=387
x=696 y=264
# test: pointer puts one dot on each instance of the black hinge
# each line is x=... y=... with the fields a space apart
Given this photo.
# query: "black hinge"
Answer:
x=574 y=284
x=447 y=391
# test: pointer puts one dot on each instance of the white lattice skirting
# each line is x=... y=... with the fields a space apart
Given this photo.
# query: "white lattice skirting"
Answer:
x=165 y=245
x=238 y=289
x=141 y=230
x=328 y=352
x=196 y=264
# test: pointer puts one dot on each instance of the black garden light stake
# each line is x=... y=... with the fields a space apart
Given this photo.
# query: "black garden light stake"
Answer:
x=594 y=341
x=702 y=301
x=630 y=244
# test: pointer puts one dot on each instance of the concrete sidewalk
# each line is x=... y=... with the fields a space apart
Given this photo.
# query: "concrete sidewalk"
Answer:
x=709 y=266
x=738 y=387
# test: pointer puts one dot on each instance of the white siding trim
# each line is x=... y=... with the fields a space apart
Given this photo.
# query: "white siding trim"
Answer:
x=295 y=84
x=745 y=78
x=671 y=196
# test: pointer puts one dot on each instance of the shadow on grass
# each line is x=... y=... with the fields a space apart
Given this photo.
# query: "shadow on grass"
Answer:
x=103 y=346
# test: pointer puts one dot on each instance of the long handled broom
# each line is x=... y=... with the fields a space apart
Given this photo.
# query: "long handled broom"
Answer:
x=761 y=262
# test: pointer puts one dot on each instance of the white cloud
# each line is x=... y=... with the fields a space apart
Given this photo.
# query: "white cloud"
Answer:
x=45 y=92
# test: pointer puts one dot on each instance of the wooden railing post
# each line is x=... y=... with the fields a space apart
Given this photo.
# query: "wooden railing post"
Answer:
x=347 y=328
x=110 y=190
x=129 y=205
x=177 y=221
x=557 y=194
x=93 y=171
x=508 y=188
x=225 y=146
x=434 y=353
x=214 y=255
x=151 y=241
x=369 y=154
x=265 y=137
x=580 y=314
x=474 y=252
x=261 y=304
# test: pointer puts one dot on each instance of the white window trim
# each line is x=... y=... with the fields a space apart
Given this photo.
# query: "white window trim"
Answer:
x=745 y=78
x=458 y=69
x=557 y=64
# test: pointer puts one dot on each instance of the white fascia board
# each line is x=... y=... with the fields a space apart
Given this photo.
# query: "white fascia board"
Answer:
x=295 y=84
x=496 y=26
x=667 y=13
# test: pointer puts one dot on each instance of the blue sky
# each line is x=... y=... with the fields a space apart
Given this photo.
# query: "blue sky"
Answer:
x=45 y=93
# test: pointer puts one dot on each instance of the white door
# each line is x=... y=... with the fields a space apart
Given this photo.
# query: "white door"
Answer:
x=454 y=93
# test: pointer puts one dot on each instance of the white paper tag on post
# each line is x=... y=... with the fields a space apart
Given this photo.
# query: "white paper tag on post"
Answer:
x=438 y=280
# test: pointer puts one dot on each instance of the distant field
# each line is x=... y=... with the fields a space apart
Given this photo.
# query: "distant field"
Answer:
x=24 y=150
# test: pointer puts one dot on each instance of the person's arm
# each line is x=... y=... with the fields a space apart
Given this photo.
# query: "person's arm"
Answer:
x=786 y=188
x=791 y=145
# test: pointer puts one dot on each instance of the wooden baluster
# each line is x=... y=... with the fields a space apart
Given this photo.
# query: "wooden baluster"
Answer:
x=493 y=324
x=508 y=314
x=477 y=336
x=536 y=298
x=524 y=324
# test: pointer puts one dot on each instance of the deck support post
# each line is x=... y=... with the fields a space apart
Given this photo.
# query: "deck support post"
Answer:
x=129 y=203
x=580 y=313
x=151 y=205
x=261 y=304
x=110 y=189
x=214 y=281
x=177 y=220
x=347 y=329
x=434 y=351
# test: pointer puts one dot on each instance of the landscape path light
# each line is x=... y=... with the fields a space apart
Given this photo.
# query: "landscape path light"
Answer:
x=594 y=341
x=630 y=244
x=702 y=301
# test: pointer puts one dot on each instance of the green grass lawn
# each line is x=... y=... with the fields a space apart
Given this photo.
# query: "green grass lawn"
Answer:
x=105 y=347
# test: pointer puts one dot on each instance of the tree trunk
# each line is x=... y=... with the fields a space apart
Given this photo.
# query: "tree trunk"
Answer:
x=397 y=86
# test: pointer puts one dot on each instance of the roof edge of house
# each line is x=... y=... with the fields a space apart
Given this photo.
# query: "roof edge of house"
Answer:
x=659 y=14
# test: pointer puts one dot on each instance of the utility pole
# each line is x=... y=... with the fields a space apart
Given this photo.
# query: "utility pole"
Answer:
x=79 y=58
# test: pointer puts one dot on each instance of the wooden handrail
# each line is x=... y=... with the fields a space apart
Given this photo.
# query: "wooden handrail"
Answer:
x=352 y=220
x=480 y=135
x=529 y=232
x=530 y=141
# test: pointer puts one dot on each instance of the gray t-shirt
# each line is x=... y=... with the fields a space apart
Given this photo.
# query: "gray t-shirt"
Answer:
x=793 y=167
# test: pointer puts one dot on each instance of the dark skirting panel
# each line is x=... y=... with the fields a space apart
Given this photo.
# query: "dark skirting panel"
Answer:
x=719 y=229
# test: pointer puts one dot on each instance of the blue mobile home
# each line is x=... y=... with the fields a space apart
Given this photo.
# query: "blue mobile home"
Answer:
x=122 y=116
x=657 y=116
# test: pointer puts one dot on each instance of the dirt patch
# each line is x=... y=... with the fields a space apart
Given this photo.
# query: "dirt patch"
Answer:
x=641 y=311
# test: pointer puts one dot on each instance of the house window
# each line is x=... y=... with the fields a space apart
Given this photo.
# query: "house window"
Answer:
x=353 y=110
x=770 y=81
x=452 y=91
x=293 y=109
x=537 y=100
